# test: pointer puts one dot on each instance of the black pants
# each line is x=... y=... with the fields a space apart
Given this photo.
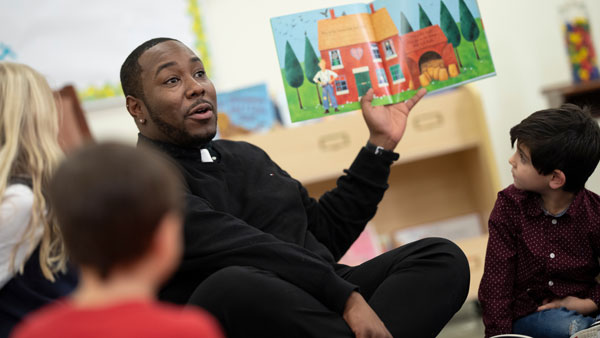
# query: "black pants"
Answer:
x=414 y=289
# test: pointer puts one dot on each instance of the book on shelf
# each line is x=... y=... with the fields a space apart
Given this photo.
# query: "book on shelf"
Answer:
x=330 y=57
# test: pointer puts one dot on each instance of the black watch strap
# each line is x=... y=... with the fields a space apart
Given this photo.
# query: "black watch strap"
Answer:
x=380 y=151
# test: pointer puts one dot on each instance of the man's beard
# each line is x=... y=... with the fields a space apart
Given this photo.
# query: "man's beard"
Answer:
x=180 y=136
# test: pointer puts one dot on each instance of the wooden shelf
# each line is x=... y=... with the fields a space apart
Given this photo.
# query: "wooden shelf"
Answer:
x=442 y=123
x=474 y=249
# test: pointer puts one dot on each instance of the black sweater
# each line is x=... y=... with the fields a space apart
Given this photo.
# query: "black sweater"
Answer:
x=244 y=210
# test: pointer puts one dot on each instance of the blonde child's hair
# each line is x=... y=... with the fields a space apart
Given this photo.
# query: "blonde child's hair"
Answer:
x=29 y=149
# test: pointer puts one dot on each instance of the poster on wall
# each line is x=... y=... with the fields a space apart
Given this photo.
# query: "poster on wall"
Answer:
x=245 y=110
x=84 y=43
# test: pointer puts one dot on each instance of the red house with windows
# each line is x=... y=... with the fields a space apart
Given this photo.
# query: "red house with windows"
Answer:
x=366 y=50
x=363 y=50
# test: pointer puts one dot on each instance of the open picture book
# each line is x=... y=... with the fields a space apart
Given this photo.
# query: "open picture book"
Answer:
x=330 y=57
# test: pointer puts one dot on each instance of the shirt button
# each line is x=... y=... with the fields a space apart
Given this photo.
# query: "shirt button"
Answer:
x=550 y=283
x=552 y=255
x=554 y=221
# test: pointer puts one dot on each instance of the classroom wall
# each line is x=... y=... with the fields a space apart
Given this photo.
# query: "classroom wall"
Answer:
x=525 y=38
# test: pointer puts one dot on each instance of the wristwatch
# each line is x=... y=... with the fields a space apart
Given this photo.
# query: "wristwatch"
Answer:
x=380 y=151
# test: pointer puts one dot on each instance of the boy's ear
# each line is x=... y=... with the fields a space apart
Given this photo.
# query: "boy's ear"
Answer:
x=167 y=245
x=168 y=233
x=558 y=179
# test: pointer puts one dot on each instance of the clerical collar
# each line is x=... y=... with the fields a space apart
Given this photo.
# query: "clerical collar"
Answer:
x=178 y=151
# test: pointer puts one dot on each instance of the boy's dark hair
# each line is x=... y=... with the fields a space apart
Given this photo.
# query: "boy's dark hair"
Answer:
x=109 y=199
x=131 y=69
x=567 y=139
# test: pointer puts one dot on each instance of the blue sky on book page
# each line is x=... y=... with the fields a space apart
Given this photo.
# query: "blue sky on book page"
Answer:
x=293 y=28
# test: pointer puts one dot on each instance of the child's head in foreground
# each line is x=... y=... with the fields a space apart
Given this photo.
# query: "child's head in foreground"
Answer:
x=556 y=149
x=119 y=207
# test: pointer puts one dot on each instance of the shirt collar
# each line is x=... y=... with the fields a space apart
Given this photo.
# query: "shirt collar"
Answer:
x=534 y=204
x=173 y=149
x=577 y=206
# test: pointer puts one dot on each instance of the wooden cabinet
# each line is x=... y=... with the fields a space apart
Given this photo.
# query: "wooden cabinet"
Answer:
x=446 y=167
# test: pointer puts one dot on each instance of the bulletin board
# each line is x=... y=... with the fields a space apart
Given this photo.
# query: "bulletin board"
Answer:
x=84 y=43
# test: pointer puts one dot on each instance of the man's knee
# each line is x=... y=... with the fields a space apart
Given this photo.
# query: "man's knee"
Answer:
x=446 y=251
x=243 y=287
x=448 y=259
x=453 y=256
x=451 y=266
x=234 y=275
x=232 y=284
x=246 y=299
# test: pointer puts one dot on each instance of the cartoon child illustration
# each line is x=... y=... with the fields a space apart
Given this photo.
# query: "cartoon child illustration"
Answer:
x=325 y=78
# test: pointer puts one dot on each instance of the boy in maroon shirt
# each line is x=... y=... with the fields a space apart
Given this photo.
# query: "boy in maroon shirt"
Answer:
x=119 y=210
x=542 y=254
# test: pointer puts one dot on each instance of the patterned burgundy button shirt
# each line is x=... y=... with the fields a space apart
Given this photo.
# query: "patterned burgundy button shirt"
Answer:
x=532 y=256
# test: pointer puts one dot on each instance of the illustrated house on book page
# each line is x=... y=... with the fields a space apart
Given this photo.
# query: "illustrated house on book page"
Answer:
x=363 y=50
x=366 y=50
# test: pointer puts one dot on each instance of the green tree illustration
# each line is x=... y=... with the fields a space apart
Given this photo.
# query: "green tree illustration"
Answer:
x=293 y=71
x=405 y=26
x=450 y=29
x=423 y=18
x=311 y=64
x=468 y=25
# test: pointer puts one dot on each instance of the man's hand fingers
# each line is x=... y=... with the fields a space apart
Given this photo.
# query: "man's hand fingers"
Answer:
x=413 y=100
x=362 y=320
x=367 y=98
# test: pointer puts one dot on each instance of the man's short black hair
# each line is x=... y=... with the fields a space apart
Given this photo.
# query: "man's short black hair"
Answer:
x=131 y=69
x=567 y=139
x=109 y=200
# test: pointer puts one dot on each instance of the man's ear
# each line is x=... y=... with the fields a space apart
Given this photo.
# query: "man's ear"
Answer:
x=135 y=108
x=558 y=179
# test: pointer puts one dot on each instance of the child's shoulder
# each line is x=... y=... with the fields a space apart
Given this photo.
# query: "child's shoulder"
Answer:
x=589 y=201
x=146 y=319
x=512 y=201
x=590 y=195
x=44 y=321
x=188 y=321
x=513 y=195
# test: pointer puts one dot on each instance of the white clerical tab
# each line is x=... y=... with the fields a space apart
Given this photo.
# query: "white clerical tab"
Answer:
x=205 y=155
